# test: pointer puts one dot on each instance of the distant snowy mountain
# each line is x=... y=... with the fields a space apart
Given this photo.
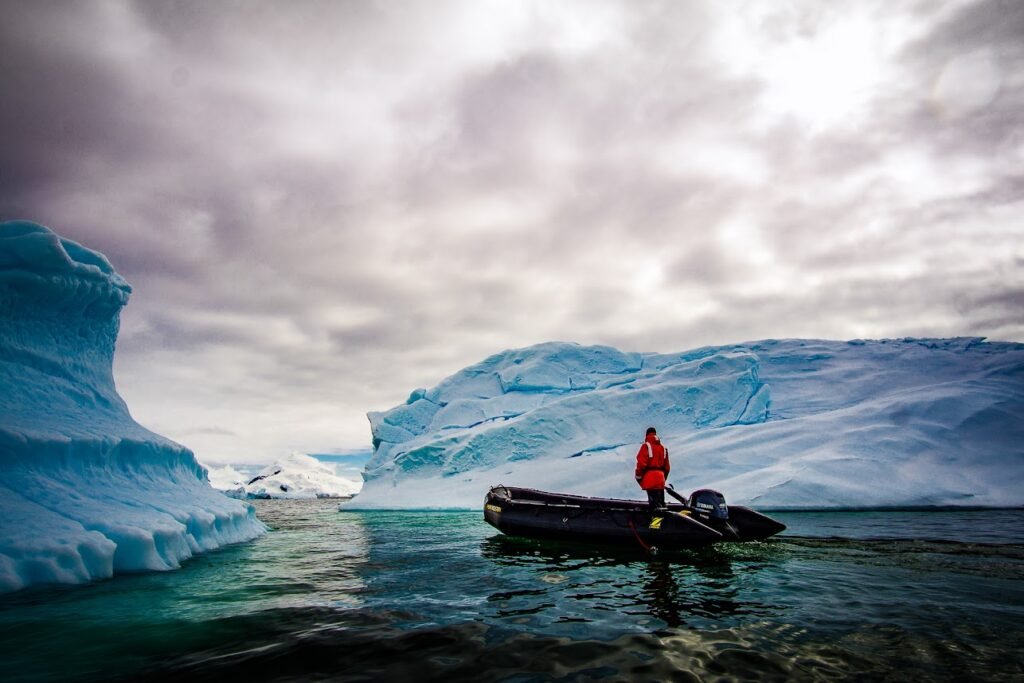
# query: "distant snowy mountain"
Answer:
x=297 y=476
x=227 y=479
x=86 y=491
x=774 y=424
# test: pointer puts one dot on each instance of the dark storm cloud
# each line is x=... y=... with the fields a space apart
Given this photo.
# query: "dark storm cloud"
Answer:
x=95 y=135
x=997 y=24
x=980 y=41
x=56 y=107
x=322 y=205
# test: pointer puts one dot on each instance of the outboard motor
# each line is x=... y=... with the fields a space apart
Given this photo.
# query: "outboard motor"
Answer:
x=709 y=504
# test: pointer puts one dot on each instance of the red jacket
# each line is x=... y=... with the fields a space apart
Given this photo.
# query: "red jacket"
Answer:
x=652 y=466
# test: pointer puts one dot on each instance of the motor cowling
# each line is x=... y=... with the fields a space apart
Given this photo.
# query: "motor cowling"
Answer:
x=709 y=503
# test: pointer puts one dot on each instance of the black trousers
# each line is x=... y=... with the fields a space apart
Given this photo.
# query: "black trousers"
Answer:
x=656 y=498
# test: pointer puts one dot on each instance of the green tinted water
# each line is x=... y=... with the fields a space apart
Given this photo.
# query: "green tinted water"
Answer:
x=442 y=596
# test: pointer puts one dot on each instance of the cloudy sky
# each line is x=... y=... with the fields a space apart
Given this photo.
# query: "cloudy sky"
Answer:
x=325 y=205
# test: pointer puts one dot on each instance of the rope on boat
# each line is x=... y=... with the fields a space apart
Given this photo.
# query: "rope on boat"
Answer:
x=612 y=516
x=639 y=540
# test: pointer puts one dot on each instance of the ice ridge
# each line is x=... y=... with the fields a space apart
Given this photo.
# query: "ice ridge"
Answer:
x=86 y=491
x=791 y=423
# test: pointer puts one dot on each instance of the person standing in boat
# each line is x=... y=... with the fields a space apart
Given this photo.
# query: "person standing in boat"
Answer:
x=652 y=468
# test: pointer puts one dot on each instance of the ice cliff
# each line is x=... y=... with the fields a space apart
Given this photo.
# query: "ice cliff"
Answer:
x=774 y=424
x=86 y=491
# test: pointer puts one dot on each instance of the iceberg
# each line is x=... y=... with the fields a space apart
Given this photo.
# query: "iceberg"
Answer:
x=297 y=476
x=86 y=491
x=776 y=424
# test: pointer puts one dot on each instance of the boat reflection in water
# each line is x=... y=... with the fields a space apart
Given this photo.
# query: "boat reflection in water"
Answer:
x=583 y=584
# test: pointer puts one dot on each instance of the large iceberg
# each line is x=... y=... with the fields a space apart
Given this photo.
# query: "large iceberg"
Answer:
x=86 y=491
x=774 y=424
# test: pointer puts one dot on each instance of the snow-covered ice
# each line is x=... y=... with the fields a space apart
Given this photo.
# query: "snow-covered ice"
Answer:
x=227 y=479
x=86 y=491
x=297 y=476
x=774 y=424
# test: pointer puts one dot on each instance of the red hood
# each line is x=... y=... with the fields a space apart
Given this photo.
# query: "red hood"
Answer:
x=652 y=438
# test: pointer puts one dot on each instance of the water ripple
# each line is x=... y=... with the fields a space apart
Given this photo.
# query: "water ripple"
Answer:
x=440 y=596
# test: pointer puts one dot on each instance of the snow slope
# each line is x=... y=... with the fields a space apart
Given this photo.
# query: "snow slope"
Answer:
x=86 y=491
x=774 y=424
x=297 y=476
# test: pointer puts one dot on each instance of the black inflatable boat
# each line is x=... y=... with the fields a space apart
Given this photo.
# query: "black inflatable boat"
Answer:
x=703 y=518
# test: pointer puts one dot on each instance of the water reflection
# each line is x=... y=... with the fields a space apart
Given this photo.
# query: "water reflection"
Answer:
x=661 y=593
x=688 y=588
x=438 y=596
x=309 y=545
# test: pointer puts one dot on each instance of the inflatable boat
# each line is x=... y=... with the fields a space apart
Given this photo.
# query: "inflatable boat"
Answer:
x=702 y=519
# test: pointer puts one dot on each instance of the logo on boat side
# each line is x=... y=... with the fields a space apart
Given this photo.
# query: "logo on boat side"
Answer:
x=493 y=508
x=656 y=522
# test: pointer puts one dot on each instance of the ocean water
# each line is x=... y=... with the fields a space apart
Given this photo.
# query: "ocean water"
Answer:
x=441 y=596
